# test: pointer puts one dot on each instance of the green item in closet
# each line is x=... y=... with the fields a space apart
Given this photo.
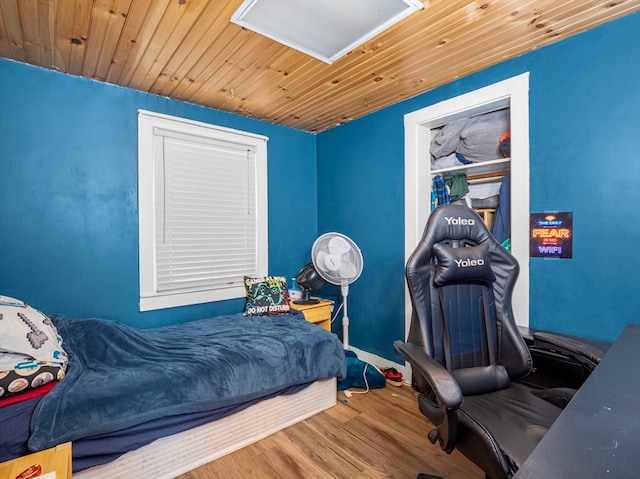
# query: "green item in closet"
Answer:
x=458 y=185
x=506 y=244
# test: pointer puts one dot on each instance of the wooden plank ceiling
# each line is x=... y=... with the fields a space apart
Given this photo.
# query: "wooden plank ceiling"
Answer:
x=188 y=50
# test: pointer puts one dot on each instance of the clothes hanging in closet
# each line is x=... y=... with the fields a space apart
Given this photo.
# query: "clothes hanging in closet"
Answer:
x=501 y=229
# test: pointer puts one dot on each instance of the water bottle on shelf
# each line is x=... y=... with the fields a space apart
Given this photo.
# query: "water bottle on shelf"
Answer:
x=294 y=290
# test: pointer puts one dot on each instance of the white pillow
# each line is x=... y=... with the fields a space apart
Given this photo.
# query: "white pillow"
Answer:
x=25 y=330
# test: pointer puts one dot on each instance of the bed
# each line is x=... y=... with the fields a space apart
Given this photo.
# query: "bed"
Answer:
x=159 y=402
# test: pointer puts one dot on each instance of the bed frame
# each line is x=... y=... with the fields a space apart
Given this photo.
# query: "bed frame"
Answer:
x=171 y=456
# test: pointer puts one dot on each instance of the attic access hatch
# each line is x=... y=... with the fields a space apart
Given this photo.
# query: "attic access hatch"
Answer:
x=323 y=29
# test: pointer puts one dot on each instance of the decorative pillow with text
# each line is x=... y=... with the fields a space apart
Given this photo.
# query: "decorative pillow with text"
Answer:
x=266 y=295
x=462 y=265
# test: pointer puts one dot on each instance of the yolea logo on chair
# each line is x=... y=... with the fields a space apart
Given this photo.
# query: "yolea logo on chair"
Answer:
x=459 y=221
x=469 y=263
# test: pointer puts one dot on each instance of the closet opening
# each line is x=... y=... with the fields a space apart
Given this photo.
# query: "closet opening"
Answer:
x=470 y=165
x=461 y=142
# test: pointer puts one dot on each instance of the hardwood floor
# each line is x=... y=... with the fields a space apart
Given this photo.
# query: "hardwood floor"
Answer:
x=374 y=435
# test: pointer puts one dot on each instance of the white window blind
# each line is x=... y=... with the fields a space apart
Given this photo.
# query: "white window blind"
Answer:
x=208 y=223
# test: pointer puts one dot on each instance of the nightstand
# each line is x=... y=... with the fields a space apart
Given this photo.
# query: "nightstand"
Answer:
x=319 y=313
x=57 y=459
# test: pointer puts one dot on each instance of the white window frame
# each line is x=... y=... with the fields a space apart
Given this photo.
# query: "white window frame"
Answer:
x=148 y=123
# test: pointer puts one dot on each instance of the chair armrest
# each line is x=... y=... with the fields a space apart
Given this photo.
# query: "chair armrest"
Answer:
x=448 y=395
x=582 y=350
x=445 y=387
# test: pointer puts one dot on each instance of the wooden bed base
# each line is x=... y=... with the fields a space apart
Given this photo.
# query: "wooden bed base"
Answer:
x=171 y=456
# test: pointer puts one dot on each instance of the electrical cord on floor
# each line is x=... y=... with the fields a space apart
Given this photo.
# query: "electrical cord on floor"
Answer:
x=364 y=376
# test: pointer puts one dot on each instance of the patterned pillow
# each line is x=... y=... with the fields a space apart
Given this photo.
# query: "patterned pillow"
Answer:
x=19 y=373
x=25 y=330
x=267 y=295
x=31 y=352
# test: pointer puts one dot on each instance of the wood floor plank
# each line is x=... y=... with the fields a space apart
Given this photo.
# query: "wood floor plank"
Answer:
x=380 y=434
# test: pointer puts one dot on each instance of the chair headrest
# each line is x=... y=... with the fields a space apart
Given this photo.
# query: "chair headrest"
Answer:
x=461 y=244
x=455 y=223
x=462 y=265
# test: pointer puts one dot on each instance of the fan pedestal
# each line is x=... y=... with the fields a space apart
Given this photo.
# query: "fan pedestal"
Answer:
x=345 y=316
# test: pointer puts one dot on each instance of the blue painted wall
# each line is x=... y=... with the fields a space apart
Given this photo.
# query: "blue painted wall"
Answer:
x=68 y=195
x=585 y=158
x=68 y=191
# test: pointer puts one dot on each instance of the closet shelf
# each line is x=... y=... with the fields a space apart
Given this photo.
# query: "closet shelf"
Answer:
x=491 y=176
x=479 y=168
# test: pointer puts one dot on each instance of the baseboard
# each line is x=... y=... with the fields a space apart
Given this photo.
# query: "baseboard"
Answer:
x=381 y=362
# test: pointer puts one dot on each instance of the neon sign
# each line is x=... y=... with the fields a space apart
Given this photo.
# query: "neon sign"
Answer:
x=551 y=235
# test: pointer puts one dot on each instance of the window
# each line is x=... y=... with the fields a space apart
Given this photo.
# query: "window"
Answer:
x=202 y=196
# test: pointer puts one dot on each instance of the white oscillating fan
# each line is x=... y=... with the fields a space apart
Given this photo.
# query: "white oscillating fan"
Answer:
x=339 y=261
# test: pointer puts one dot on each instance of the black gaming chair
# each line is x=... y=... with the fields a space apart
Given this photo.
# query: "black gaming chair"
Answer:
x=465 y=349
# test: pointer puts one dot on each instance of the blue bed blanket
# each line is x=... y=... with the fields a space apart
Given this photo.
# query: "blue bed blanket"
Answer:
x=120 y=376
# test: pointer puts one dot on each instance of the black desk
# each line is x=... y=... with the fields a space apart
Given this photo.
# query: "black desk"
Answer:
x=598 y=434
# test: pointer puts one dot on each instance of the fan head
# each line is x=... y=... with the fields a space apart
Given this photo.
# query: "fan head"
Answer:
x=310 y=280
x=337 y=258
